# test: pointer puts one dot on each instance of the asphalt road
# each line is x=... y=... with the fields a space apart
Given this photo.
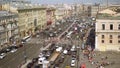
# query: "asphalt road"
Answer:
x=12 y=60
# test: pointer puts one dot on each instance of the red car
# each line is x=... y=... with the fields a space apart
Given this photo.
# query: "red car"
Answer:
x=83 y=65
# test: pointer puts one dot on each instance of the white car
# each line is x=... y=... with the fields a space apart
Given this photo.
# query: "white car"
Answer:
x=2 y=55
x=41 y=60
x=65 y=51
x=59 y=49
x=73 y=48
x=13 y=50
x=73 y=62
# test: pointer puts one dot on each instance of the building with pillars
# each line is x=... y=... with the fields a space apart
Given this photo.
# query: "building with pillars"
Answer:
x=107 y=32
x=9 y=30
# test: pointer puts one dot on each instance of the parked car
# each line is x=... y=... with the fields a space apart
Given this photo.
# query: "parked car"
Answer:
x=8 y=49
x=2 y=55
x=13 y=50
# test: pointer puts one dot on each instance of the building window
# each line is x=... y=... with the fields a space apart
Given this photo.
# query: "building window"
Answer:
x=111 y=26
x=110 y=41
x=119 y=27
x=118 y=41
x=103 y=36
x=111 y=37
x=118 y=36
x=103 y=26
x=102 y=41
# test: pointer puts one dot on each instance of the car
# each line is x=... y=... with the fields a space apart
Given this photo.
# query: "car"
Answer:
x=69 y=52
x=13 y=50
x=51 y=34
x=34 y=60
x=20 y=45
x=56 y=65
x=41 y=60
x=59 y=49
x=2 y=55
x=29 y=65
x=73 y=48
x=37 y=66
x=8 y=49
x=73 y=62
x=40 y=55
x=61 y=60
x=65 y=52
x=51 y=62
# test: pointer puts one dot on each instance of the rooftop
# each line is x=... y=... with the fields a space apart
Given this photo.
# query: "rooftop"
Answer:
x=6 y=14
x=27 y=6
x=108 y=16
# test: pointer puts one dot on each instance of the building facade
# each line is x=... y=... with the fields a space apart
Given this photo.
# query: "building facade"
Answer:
x=107 y=33
x=63 y=11
x=9 y=30
x=31 y=20
x=93 y=10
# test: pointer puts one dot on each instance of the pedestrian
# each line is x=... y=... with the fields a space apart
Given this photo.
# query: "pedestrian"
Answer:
x=90 y=59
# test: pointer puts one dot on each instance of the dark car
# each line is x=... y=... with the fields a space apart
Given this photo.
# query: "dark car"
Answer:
x=37 y=66
x=56 y=66
x=34 y=60
x=3 y=50
x=20 y=45
x=29 y=65
x=8 y=49
x=61 y=60
x=69 y=52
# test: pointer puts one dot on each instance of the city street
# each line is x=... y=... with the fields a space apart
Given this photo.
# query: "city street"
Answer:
x=68 y=43
x=15 y=59
x=31 y=49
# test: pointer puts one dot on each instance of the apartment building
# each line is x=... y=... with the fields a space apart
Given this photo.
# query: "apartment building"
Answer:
x=9 y=31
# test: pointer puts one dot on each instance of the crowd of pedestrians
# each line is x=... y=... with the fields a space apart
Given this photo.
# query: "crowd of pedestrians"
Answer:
x=90 y=55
